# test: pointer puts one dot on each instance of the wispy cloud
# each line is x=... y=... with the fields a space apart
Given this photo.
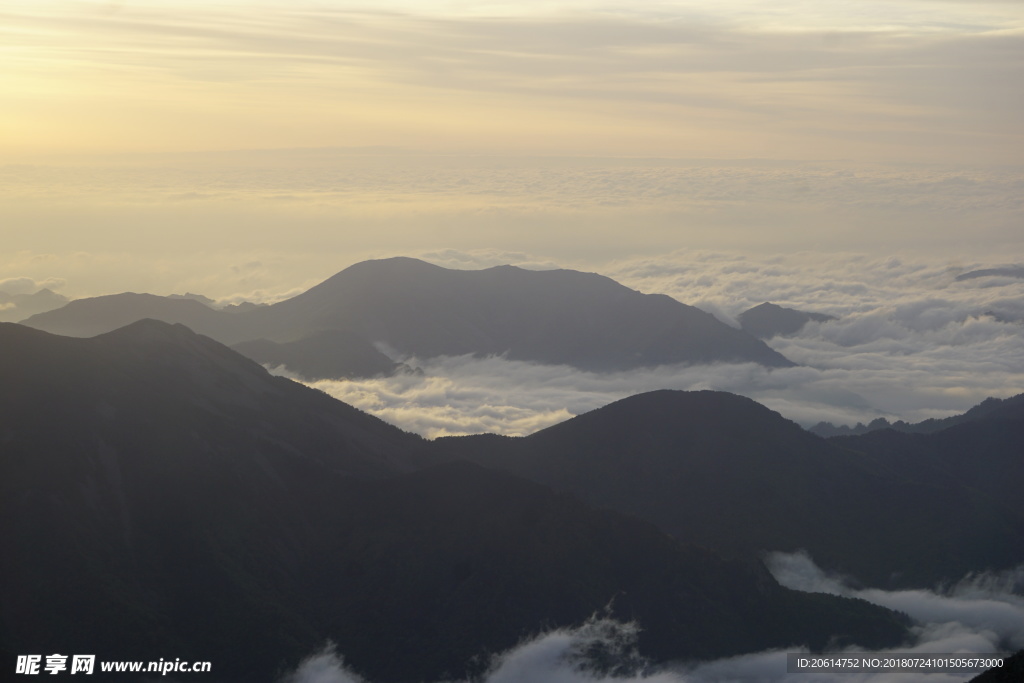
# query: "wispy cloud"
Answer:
x=981 y=607
x=926 y=79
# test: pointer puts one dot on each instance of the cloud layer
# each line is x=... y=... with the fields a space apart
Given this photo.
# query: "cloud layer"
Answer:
x=171 y=224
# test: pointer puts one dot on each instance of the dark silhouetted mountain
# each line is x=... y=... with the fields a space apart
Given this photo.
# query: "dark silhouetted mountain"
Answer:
x=14 y=307
x=1012 y=671
x=1008 y=271
x=827 y=429
x=990 y=408
x=981 y=454
x=162 y=496
x=140 y=471
x=769 y=320
x=561 y=316
x=330 y=354
x=455 y=562
x=557 y=316
x=724 y=472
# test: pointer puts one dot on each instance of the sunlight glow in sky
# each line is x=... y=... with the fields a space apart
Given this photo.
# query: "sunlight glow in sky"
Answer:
x=164 y=145
x=913 y=80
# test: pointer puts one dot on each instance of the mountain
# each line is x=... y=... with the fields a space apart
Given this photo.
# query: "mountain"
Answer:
x=990 y=408
x=330 y=354
x=144 y=472
x=769 y=320
x=132 y=390
x=726 y=473
x=161 y=495
x=979 y=450
x=97 y=315
x=452 y=563
x=14 y=307
x=1011 y=671
x=557 y=317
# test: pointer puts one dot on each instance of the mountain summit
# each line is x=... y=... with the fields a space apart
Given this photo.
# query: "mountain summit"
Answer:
x=568 y=317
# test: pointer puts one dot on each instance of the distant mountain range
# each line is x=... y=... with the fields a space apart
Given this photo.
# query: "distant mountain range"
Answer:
x=164 y=496
x=768 y=320
x=989 y=408
x=417 y=309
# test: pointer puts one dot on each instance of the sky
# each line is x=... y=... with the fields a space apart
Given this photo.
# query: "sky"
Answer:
x=252 y=148
x=844 y=157
x=911 y=80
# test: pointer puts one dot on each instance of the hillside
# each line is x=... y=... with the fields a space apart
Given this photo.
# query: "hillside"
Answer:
x=162 y=494
x=724 y=472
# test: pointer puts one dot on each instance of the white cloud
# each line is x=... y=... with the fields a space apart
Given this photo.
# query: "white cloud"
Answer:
x=26 y=285
x=325 y=666
x=558 y=656
x=982 y=609
x=463 y=395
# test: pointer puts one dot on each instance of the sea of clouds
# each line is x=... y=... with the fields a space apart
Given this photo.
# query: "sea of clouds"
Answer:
x=911 y=341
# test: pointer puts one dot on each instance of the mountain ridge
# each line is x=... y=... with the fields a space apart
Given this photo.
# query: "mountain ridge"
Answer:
x=190 y=502
x=584 y=320
x=990 y=408
x=726 y=473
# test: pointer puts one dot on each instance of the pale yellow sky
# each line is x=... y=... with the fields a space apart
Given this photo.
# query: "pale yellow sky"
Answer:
x=914 y=80
x=221 y=147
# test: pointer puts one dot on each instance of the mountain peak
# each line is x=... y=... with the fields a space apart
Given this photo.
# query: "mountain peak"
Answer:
x=703 y=412
x=392 y=264
x=149 y=329
x=769 y=320
x=150 y=332
x=556 y=317
x=566 y=317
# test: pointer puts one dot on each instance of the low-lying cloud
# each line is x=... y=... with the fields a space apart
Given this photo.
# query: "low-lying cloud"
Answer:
x=601 y=649
x=983 y=606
